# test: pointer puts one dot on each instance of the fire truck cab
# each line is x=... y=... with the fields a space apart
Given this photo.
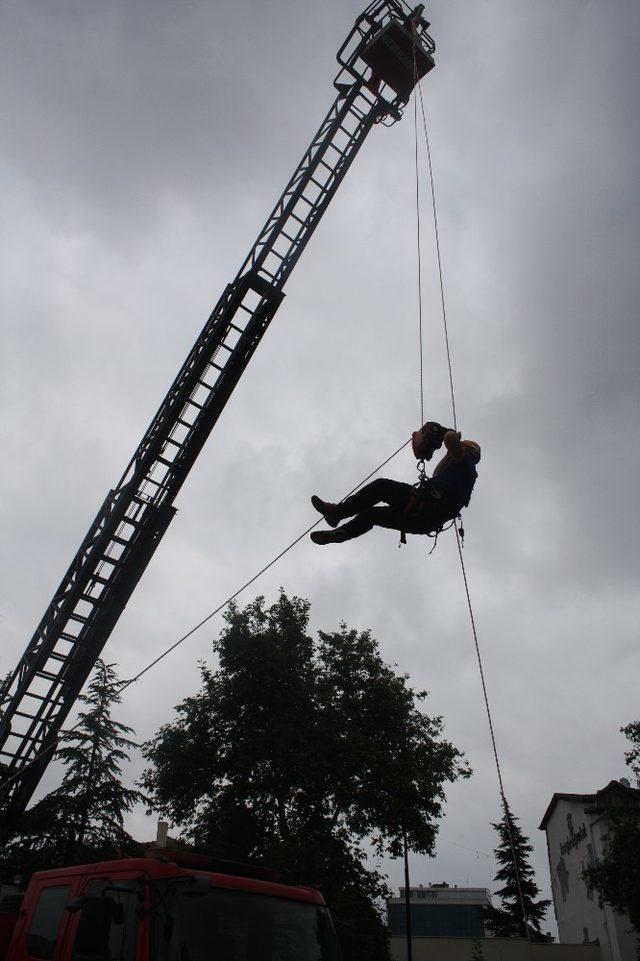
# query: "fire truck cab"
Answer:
x=183 y=907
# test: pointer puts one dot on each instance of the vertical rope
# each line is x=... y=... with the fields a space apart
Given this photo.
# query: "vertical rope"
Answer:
x=507 y=814
x=437 y=239
x=420 y=339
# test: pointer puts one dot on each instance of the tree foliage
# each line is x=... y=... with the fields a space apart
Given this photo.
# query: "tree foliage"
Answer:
x=632 y=756
x=616 y=873
x=296 y=753
x=82 y=820
x=477 y=954
x=507 y=921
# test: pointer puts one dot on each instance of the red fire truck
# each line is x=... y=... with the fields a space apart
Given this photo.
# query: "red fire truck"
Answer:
x=179 y=907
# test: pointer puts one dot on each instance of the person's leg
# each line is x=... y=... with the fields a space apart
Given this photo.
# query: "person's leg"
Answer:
x=389 y=517
x=390 y=492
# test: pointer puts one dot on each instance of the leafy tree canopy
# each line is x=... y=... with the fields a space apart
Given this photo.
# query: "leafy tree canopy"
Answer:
x=616 y=873
x=82 y=820
x=507 y=921
x=632 y=756
x=295 y=752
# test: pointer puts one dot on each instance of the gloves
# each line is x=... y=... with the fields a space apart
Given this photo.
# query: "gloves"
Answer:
x=427 y=440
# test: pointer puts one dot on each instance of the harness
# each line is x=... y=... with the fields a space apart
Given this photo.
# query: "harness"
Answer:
x=414 y=507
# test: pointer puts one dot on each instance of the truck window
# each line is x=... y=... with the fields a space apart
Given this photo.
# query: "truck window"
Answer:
x=239 y=926
x=104 y=934
x=45 y=923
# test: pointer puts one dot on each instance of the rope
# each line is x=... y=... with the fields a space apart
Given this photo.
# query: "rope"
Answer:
x=485 y=695
x=439 y=258
x=503 y=799
x=420 y=339
x=123 y=685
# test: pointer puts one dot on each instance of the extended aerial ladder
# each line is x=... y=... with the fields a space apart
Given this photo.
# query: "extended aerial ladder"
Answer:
x=386 y=52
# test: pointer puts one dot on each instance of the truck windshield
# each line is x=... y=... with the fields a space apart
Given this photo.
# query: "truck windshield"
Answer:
x=238 y=926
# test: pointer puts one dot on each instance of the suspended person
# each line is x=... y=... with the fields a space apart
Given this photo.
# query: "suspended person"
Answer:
x=411 y=510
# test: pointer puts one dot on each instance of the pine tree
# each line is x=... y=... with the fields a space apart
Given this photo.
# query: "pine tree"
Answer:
x=507 y=921
x=83 y=819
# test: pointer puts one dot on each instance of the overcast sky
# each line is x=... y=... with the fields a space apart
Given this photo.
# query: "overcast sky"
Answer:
x=144 y=144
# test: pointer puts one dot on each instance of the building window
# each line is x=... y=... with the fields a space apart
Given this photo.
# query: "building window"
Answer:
x=438 y=920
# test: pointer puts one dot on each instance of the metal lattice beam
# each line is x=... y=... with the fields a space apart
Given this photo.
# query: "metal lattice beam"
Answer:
x=136 y=513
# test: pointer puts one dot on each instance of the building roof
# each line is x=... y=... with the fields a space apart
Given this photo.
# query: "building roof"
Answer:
x=597 y=798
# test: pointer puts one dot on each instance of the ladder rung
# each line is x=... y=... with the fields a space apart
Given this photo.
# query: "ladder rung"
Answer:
x=78 y=617
x=321 y=187
x=29 y=717
x=163 y=460
x=120 y=540
x=90 y=599
x=302 y=222
x=291 y=240
x=176 y=443
x=147 y=480
x=37 y=697
x=57 y=657
x=328 y=166
x=184 y=423
x=345 y=131
x=47 y=675
x=203 y=383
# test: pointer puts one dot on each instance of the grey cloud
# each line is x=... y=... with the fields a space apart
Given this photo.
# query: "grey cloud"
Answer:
x=146 y=144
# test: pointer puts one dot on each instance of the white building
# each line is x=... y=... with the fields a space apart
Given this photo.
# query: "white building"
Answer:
x=575 y=825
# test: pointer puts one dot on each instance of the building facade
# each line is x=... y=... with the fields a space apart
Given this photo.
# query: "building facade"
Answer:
x=439 y=910
x=575 y=825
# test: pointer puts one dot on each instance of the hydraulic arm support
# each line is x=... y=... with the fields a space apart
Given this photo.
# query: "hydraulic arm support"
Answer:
x=388 y=42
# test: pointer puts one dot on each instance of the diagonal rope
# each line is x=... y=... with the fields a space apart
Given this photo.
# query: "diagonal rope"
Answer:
x=123 y=685
x=505 y=806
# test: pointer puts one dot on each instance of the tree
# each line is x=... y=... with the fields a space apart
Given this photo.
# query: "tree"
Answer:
x=632 y=757
x=616 y=873
x=477 y=953
x=297 y=753
x=507 y=921
x=83 y=819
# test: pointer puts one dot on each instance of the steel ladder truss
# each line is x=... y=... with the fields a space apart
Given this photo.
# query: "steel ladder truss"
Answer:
x=37 y=698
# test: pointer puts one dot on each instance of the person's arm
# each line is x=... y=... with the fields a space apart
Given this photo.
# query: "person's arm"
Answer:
x=452 y=441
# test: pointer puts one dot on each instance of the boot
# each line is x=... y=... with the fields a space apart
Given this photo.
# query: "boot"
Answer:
x=328 y=537
x=330 y=512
